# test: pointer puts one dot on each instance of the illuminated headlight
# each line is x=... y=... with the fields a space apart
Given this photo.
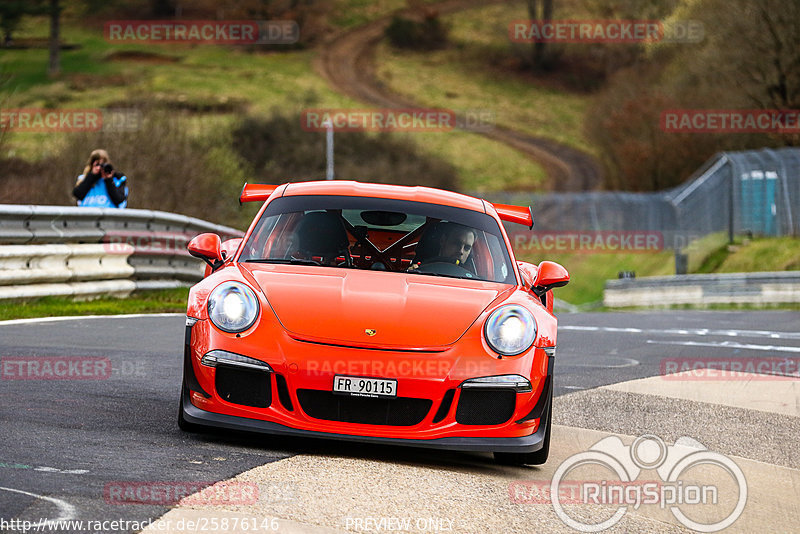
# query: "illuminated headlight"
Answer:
x=223 y=357
x=510 y=330
x=232 y=307
x=518 y=383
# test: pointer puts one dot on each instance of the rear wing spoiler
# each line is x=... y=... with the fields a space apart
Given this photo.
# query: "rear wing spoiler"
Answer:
x=515 y=214
x=256 y=192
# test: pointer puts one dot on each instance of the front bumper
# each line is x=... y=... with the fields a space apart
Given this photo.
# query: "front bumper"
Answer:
x=522 y=444
x=201 y=404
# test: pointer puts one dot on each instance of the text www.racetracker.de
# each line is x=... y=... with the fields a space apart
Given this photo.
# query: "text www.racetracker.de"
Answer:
x=202 y=524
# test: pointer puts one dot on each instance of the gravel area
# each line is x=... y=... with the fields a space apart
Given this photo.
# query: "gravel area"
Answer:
x=355 y=495
x=766 y=437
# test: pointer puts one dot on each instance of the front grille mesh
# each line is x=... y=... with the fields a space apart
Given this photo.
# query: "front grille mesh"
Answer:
x=398 y=411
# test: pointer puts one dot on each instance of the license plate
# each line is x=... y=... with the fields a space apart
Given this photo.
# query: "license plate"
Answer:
x=359 y=386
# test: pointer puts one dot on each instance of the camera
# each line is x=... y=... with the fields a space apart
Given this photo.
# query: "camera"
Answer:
x=107 y=168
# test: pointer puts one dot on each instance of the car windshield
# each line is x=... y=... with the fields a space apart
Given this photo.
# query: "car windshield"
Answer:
x=382 y=235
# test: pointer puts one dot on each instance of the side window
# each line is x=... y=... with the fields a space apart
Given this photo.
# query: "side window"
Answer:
x=502 y=272
x=280 y=243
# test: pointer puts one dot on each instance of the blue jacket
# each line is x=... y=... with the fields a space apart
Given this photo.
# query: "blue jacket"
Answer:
x=102 y=193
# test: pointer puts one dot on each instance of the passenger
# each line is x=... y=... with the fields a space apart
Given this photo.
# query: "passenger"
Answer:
x=100 y=186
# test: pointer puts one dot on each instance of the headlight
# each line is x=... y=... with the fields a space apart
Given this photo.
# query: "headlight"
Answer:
x=510 y=330
x=232 y=307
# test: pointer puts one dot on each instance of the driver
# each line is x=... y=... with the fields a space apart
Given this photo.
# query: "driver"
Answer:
x=454 y=245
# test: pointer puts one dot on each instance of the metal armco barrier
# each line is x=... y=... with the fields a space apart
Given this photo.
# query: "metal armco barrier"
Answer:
x=69 y=251
x=756 y=289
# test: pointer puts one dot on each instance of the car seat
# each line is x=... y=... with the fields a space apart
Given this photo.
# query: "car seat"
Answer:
x=321 y=234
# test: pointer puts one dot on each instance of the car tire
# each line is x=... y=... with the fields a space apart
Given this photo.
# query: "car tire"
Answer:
x=530 y=458
x=183 y=424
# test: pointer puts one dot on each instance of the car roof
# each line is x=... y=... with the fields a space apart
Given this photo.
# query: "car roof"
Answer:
x=399 y=192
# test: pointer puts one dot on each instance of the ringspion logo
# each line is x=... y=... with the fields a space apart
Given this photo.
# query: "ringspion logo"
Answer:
x=620 y=487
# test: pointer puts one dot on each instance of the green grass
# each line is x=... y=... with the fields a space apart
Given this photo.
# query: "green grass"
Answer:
x=762 y=254
x=257 y=82
x=483 y=165
x=784 y=306
x=589 y=271
x=160 y=301
x=462 y=75
x=351 y=13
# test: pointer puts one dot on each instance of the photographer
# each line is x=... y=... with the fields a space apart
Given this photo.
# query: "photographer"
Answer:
x=100 y=186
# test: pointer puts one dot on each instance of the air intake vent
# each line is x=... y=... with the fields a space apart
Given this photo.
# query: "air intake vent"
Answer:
x=485 y=406
x=444 y=407
x=244 y=386
x=283 y=392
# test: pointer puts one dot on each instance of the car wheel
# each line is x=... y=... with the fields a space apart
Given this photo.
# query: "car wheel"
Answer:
x=183 y=424
x=530 y=458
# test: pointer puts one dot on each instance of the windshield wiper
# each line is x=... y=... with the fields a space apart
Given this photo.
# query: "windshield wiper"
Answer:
x=428 y=273
x=285 y=261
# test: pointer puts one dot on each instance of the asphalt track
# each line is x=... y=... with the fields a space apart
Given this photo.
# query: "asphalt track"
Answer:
x=64 y=442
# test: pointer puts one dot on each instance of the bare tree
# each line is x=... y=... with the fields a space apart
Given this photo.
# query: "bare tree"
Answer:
x=752 y=49
x=539 y=56
x=54 y=67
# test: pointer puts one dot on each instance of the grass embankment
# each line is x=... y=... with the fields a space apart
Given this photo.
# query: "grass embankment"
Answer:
x=208 y=87
x=589 y=271
x=161 y=301
x=588 y=274
x=712 y=254
x=475 y=64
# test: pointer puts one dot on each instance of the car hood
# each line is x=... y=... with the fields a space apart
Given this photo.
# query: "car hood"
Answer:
x=404 y=310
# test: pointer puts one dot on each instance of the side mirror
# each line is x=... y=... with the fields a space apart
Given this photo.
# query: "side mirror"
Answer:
x=549 y=276
x=207 y=247
x=229 y=247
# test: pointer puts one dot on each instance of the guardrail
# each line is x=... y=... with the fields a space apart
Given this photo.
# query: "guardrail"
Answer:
x=756 y=289
x=61 y=250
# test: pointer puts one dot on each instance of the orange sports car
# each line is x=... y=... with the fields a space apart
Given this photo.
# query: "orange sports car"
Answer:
x=374 y=313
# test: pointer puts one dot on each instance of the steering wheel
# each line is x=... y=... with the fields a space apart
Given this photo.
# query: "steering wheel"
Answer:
x=446 y=266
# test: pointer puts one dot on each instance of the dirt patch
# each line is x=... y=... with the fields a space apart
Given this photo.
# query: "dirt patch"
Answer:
x=347 y=62
x=83 y=81
x=218 y=104
x=140 y=56
x=39 y=42
x=574 y=74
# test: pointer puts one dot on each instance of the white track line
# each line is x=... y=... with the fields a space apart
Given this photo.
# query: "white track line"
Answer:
x=727 y=345
x=37 y=320
x=685 y=331
x=66 y=510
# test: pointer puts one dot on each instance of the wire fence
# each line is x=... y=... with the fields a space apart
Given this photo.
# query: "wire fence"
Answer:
x=750 y=192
